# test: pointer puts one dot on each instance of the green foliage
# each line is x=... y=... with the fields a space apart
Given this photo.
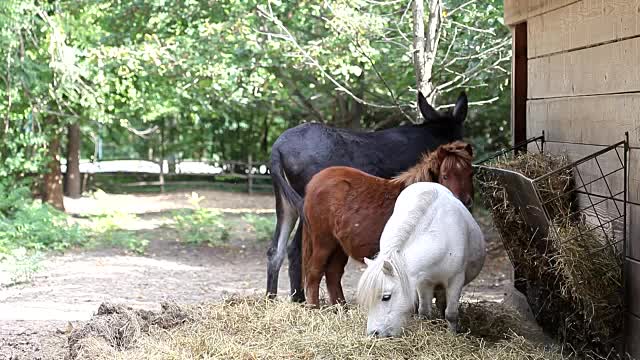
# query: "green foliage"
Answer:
x=22 y=152
x=202 y=226
x=37 y=226
x=108 y=230
x=222 y=80
x=12 y=199
x=20 y=266
x=263 y=226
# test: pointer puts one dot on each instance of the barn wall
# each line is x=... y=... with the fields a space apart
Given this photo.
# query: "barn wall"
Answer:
x=583 y=86
x=516 y=11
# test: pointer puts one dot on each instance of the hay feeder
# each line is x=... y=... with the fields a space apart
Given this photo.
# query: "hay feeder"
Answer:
x=564 y=227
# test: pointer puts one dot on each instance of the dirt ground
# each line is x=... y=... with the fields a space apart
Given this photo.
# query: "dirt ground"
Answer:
x=36 y=317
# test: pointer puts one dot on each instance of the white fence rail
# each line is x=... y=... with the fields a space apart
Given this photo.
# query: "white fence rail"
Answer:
x=247 y=171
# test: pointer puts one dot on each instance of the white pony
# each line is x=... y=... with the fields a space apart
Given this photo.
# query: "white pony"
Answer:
x=430 y=240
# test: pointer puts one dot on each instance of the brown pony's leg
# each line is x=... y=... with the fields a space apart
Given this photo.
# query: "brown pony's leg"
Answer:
x=317 y=266
x=335 y=269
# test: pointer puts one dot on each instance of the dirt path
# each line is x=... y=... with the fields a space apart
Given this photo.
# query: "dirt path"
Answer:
x=35 y=317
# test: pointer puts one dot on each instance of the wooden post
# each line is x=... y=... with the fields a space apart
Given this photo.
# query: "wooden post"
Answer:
x=85 y=180
x=162 y=154
x=519 y=84
x=72 y=177
x=250 y=176
x=161 y=176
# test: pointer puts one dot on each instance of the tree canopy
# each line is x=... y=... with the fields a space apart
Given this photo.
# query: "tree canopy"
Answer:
x=221 y=79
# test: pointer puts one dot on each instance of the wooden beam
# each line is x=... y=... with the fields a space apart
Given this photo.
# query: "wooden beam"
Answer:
x=606 y=69
x=519 y=84
x=517 y=11
x=583 y=24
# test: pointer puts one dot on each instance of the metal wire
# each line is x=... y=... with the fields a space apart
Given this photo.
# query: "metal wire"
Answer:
x=605 y=211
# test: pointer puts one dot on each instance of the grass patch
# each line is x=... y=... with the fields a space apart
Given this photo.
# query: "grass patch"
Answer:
x=109 y=230
x=37 y=226
x=201 y=226
x=262 y=225
x=19 y=266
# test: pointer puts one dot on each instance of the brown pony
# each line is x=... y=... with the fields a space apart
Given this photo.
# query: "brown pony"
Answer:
x=345 y=211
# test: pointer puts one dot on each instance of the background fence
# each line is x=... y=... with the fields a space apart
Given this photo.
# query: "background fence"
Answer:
x=134 y=175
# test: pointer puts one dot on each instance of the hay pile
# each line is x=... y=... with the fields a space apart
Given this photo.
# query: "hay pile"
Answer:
x=572 y=280
x=118 y=327
x=255 y=328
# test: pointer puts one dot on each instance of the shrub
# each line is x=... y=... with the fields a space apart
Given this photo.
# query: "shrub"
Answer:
x=37 y=226
x=263 y=226
x=202 y=226
x=108 y=230
x=19 y=265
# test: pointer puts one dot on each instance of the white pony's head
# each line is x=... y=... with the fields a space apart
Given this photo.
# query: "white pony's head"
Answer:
x=385 y=292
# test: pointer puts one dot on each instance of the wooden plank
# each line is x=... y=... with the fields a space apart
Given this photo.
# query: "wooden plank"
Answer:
x=633 y=240
x=517 y=11
x=596 y=120
x=519 y=88
x=606 y=69
x=632 y=338
x=586 y=119
x=632 y=285
x=583 y=24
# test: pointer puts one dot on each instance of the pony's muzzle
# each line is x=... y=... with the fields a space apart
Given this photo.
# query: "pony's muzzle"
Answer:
x=378 y=333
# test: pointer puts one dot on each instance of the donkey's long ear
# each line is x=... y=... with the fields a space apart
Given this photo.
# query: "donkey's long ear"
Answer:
x=387 y=268
x=427 y=111
x=460 y=110
x=469 y=149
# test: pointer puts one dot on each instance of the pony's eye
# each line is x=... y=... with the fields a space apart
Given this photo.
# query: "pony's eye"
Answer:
x=445 y=177
x=386 y=297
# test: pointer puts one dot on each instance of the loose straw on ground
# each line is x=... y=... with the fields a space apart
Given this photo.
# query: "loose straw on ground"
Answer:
x=255 y=328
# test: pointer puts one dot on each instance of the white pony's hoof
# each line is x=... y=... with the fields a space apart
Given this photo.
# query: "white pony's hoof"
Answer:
x=423 y=315
x=454 y=327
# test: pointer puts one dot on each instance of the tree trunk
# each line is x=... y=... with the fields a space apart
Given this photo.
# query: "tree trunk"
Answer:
x=357 y=108
x=172 y=155
x=265 y=136
x=343 y=110
x=73 y=180
x=425 y=45
x=52 y=183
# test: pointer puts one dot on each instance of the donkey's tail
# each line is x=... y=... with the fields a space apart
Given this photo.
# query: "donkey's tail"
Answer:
x=307 y=250
x=280 y=181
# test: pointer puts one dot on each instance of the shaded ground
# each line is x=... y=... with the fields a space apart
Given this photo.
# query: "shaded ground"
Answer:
x=36 y=317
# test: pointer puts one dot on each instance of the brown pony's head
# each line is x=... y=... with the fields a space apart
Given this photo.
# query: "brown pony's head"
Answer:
x=450 y=165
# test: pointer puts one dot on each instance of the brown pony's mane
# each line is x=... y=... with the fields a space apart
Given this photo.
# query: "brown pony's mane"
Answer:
x=446 y=157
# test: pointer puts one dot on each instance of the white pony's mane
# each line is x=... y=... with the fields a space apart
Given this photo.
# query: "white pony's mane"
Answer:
x=372 y=281
x=411 y=207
